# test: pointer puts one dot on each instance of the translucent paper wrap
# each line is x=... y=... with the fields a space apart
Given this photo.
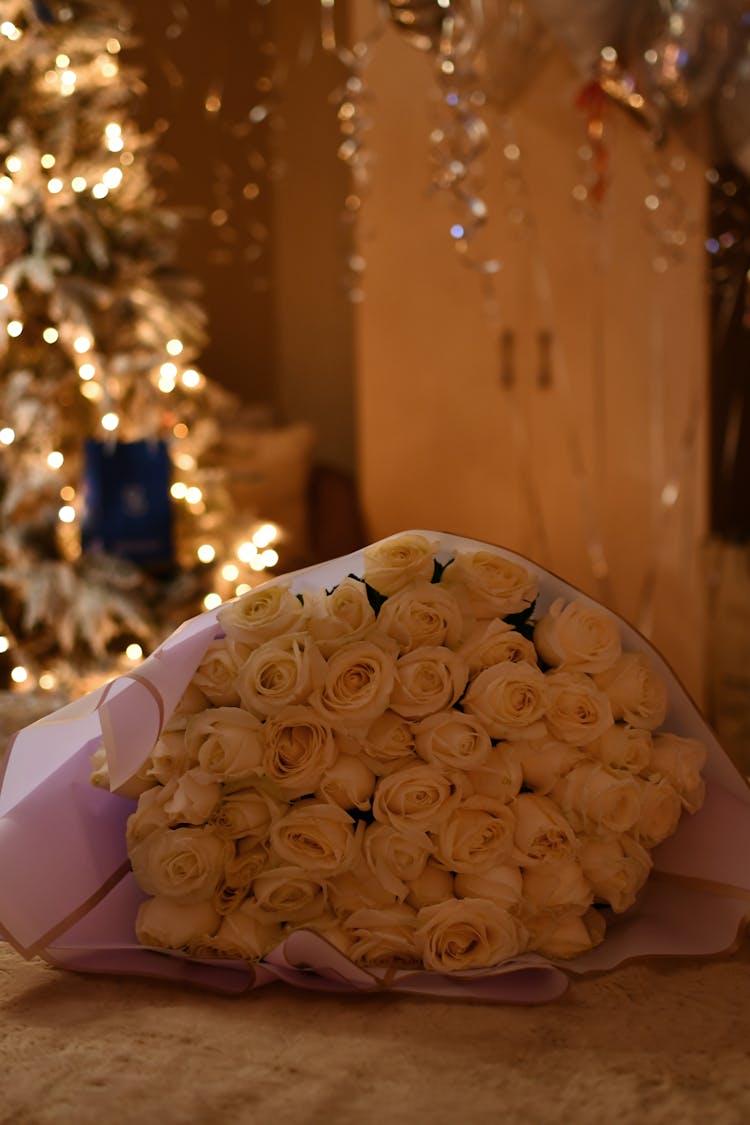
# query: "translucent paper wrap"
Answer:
x=67 y=893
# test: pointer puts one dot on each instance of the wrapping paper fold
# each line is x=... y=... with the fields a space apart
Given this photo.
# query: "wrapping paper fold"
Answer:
x=67 y=893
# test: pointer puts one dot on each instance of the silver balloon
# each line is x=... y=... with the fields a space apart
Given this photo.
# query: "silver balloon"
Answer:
x=677 y=49
x=584 y=27
x=513 y=44
x=733 y=111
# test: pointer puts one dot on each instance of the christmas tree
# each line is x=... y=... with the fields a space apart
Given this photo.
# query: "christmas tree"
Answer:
x=98 y=335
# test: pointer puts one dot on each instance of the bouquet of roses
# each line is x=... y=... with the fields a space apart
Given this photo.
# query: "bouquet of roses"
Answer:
x=426 y=763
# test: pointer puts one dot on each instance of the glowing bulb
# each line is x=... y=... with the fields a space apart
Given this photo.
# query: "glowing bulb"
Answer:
x=178 y=490
x=185 y=461
x=7 y=435
x=82 y=344
x=47 y=681
x=19 y=675
x=112 y=129
x=191 y=378
x=6 y=184
x=211 y=601
x=112 y=178
x=62 y=61
x=110 y=421
x=4 y=644
x=174 y=347
x=113 y=46
x=3 y=292
x=230 y=572
x=47 y=160
x=269 y=557
x=87 y=371
x=67 y=492
x=15 y=328
x=14 y=163
x=109 y=68
x=206 y=553
x=168 y=371
x=54 y=185
x=79 y=183
x=100 y=191
x=180 y=430
x=246 y=552
x=9 y=30
x=115 y=144
x=166 y=385
x=55 y=459
x=91 y=391
x=50 y=335
x=243 y=588
x=265 y=535
x=134 y=652
x=257 y=563
x=67 y=514
x=193 y=495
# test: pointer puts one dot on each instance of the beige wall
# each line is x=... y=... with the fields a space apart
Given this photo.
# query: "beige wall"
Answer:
x=443 y=444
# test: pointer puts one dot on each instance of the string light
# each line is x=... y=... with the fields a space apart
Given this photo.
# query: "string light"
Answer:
x=168 y=371
x=178 y=490
x=15 y=328
x=212 y=600
x=87 y=371
x=82 y=344
x=246 y=552
x=243 y=588
x=175 y=347
x=191 y=379
x=265 y=535
x=55 y=460
x=180 y=430
x=184 y=461
x=47 y=681
x=134 y=652
x=13 y=163
x=47 y=160
x=19 y=675
x=110 y=421
x=50 y=335
x=67 y=514
x=206 y=553
x=230 y=572
x=67 y=492
x=7 y=435
x=55 y=185
x=3 y=292
x=112 y=178
x=10 y=31
x=62 y=61
x=193 y=495
x=100 y=191
x=268 y=558
x=79 y=183
x=91 y=391
x=4 y=644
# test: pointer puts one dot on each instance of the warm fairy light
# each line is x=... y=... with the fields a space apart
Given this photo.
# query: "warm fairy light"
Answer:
x=109 y=68
x=47 y=681
x=211 y=601
x=168 y=371
x=670 y=494
x=47 y=160
x=19 y=675
x=13 y=163
x=62 y=61
x=15 y=328
x=82 y=344
x=110 y=421
x=113 y=46
x=257 y=563
x=265 y=535
x=79 y=183
x=10 y=31
x=166 y=384
x=112 y=129
x=67 y=514
x=87 y=371
x=67 y=492
x=115 y=144
x=193 y=495
x=185 y=461
x=243 y=588
x=191 y=379
x=178 y=490
x=112 y=178
x=4 y=644
x=230 y=572
x=54 y=185
x=50 y=335
x=100 y=191
x=3 y=292
x=6 y=184
x=269 y=557
x=55 y=459
x=91 y=391
x=246 y=552
x=180 y=430
x=68 y=80
x=7 y=435
x=206 y=553
x=127 y=159
x=134 y=652
x=174 y=347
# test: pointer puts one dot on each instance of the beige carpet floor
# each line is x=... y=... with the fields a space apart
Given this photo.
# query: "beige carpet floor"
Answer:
x=660 y=1043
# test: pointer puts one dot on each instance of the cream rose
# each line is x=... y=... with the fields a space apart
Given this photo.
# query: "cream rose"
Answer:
x=416 y=799
x=349 y=783
x=636 y=691
x=502 y=885
x=357 y=685
x=493 y=585
x=394 y=563
x=494 y=642
x=280 y=673
x=557 y=885
x=501 y=776
x=226 y=742
x=565 y=934
x=247 y=861
x=395 y=859
x=475 y=836
x=659 y=814
x=264 y=613
x=451 y=738
x=544 y=761
x=182 y=863
x=427 y=680
x=170 y=756
x=216 y=675
x=352 y=890
x=317 y=837
x=190 y=703
x=290 y=894
x=247 y=933
x=167 y=924
x=616 y=867
x=340 y=617
x=383 y=936
x=680 y=761
x=577 y=712
x=194 y=798
x=623 y=748
x=433 y=885
x=595 y=799
x=467 y=933
x=249 y=814
x=579 y=637
x=390 y=742
x=299 y=749
x=149 y=814
x=542 y=831
x=423 y=614
x=510 y=700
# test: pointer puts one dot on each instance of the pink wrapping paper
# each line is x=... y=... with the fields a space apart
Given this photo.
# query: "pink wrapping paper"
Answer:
x=67 y=893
